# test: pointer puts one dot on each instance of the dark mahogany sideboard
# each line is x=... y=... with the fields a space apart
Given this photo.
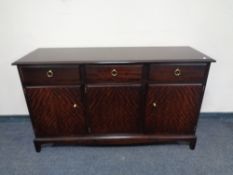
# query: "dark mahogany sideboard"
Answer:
x=114 y=96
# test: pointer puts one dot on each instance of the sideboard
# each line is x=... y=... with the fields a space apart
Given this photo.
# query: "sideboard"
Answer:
x=114 y=96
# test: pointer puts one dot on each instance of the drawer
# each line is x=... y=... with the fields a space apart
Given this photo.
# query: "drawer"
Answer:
x=50 y=75
x=175 y=73
x=113 y=73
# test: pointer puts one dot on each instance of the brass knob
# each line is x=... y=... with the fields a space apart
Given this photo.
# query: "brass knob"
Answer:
x=75 y=105
x=177 y=72
x=154 y=104
x=114 y=73
x=50 y=74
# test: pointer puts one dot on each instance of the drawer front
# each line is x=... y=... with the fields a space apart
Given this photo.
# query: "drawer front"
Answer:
x=50 y=75
x=113 y=73
x=177 y=73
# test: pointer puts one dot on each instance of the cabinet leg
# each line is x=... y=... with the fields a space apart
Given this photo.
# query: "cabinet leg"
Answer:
x=192 y=144
x=37 y=146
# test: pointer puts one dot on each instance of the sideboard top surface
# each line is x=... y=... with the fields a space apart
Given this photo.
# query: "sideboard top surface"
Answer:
x=111 y=55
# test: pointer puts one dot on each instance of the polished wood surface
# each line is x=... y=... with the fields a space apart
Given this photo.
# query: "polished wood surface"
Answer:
x=50 y=75
x=113 y=73
x=114 y=109
x=118 y=55
x=188 y=73
x=176 y=110
x=114 y=96
x=56 y=111
x=103 y=140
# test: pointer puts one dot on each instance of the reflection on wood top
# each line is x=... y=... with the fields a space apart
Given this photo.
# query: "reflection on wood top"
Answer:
x=110 y=55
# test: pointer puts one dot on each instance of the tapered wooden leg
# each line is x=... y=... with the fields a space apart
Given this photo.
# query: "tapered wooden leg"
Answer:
x=192 y=144
x=37 y=146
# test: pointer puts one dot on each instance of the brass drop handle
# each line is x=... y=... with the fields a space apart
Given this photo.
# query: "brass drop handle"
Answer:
x=50 y=74
x=75 y=105
x=114 y=72
x=177 y=72
x=154 y=104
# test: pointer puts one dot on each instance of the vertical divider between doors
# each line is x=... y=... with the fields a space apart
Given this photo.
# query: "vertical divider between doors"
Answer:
x=144 y=89
x=84 y=97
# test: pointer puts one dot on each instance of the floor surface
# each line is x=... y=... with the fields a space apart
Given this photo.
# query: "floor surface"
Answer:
x=213 y=154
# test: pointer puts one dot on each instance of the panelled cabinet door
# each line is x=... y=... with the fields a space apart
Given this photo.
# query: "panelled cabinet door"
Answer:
x=172 y=109
x=114 y=109
x=56 y=111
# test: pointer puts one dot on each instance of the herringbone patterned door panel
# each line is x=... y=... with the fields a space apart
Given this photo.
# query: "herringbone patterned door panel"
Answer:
x=114 y=109
x=172 y=109
x=56 y=111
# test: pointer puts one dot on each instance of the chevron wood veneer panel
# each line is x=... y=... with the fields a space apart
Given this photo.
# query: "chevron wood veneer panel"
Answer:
x=176 y=108
x=53 y=112
x=114 y=109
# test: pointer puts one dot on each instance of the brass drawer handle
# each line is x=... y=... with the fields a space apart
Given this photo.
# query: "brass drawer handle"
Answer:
x=50 y=74
x=114 y=73
x=177 y=72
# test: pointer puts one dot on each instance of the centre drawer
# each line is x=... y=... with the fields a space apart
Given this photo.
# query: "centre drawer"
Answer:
x=50 y=75
x=113 y=73
x=178 y=73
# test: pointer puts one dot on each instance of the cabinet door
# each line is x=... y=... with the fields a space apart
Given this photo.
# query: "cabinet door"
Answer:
x=56 y=111
x=114 y=109
x=172 y=109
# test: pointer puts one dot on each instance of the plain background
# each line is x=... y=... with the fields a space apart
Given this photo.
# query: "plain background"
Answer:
x=206 y=25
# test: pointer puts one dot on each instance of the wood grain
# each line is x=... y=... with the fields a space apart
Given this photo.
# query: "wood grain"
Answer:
x=103 y=73
x=53 y=113
x=110 y=55
x=114 y=109
x=190 y=73
x=176 y=109
x=62 y=75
